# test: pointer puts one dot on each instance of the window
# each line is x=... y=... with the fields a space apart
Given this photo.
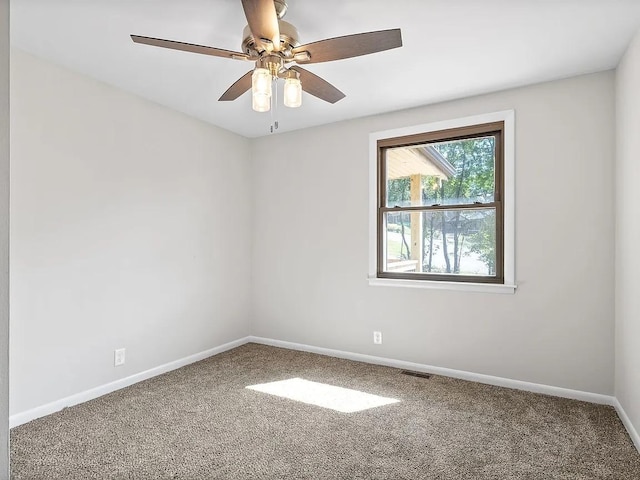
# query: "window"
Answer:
x=443 y=212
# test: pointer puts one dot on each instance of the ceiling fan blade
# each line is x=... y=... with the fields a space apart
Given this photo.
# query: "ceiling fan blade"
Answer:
x=350 y=46
x=238 y=88
x=189 y=47
x=318 y=87
x=263 y=23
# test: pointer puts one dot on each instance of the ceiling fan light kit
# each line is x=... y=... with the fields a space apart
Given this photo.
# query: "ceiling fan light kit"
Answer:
x=261 y=89
x=292 y=89
x=273 y=45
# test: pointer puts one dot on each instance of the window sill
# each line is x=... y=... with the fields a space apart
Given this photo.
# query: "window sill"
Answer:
x=453 y=286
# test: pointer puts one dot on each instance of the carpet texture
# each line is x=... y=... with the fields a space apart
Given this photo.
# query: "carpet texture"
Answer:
x=200 y=422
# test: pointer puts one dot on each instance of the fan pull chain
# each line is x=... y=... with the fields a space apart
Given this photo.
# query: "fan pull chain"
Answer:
x=274 y=105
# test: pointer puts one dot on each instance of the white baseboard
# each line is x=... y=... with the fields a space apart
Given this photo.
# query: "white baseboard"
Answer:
x=463 y=375
x=446 y=372
x=49 y=408
x=43 y=410
x=626 y=421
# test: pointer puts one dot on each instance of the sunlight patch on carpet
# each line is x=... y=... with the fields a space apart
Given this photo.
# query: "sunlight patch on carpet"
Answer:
x=340 y=399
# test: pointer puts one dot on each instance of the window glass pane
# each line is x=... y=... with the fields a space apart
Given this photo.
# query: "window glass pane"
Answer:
x=453 y=242
x=444 y=173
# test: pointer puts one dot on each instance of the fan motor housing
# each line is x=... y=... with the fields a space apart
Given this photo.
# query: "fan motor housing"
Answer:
x=288 y=40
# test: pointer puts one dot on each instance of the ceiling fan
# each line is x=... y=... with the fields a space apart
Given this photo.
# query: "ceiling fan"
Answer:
x=273 y=45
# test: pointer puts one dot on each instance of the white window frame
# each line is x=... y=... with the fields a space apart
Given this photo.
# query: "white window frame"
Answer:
x=509 y=285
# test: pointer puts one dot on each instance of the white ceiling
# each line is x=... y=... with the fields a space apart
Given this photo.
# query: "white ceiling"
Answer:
x=452 y=49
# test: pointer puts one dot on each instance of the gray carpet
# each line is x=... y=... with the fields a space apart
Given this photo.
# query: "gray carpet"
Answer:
x=200 y=422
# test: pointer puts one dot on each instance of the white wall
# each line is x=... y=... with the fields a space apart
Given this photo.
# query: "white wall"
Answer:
x=4 y=239
x=130 y=227
x=628 y=233
x=121 y=213
x=311 y=241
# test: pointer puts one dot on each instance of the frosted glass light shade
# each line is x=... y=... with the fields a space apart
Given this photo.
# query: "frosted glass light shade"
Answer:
x=261 y=102
x=261 y=89
x=292 y=92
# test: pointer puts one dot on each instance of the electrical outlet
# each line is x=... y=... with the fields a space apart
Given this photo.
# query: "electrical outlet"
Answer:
x=118 y=357
x=377 y=338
